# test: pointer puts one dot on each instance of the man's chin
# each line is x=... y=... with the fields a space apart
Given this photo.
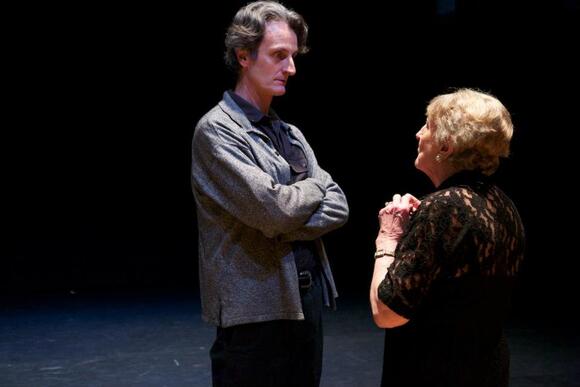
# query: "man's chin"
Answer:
x=278 y=91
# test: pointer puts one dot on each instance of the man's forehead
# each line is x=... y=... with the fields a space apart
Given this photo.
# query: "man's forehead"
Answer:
x=278 y=34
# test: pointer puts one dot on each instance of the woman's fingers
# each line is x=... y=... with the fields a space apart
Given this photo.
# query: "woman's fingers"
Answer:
x=396 y=199
x=401 y=205
x=413 y=201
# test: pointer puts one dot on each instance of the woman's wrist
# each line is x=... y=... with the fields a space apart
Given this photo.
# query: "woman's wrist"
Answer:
x=386 y=244
x=380 y=253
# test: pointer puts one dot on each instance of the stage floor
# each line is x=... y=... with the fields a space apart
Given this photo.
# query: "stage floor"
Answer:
x=158 y=339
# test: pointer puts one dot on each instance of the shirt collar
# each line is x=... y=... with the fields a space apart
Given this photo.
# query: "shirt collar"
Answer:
x=253 y=114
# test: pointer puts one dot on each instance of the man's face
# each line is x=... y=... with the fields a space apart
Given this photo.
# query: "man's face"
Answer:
x=269 y=70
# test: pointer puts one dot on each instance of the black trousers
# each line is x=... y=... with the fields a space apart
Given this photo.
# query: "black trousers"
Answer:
x=273 y=353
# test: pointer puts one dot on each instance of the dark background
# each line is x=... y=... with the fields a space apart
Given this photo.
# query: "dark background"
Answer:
x=101 y=102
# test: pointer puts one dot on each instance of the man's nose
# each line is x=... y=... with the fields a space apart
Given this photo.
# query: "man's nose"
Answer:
x=290 y=67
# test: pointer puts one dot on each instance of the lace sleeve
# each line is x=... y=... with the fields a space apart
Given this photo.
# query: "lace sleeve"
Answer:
x=422 y=255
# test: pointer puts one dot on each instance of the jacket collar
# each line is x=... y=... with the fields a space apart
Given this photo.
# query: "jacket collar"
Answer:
x=235 y=112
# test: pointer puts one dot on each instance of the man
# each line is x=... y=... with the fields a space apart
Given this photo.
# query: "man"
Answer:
x=262 y=205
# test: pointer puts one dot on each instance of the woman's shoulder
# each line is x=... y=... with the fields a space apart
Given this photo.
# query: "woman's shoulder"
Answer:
x=452 y=201
x=449 y=196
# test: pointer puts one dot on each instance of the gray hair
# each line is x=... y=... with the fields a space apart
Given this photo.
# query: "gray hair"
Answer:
x=247 y=29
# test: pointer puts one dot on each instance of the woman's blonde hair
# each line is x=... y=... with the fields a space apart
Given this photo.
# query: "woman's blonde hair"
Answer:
x=475 y=124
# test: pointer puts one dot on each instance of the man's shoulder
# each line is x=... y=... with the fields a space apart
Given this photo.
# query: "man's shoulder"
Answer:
x=219 y=122
x=215 y=114
x=224 y=114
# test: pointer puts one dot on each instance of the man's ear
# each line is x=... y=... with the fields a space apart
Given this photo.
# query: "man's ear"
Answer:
x=243 y=57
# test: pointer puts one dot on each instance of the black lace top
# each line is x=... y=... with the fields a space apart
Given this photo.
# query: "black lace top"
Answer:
x=467 y=228
x=452 y=277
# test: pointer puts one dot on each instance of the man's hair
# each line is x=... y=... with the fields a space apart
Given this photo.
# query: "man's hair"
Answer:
x=247 y=29
x=476 y=124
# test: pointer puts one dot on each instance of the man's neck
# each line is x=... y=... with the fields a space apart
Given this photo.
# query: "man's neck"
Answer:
x=252 y=96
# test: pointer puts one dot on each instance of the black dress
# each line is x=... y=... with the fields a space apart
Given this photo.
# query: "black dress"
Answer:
x=452 y=278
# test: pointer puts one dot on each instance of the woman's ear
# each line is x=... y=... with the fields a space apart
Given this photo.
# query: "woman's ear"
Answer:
x=446 y=149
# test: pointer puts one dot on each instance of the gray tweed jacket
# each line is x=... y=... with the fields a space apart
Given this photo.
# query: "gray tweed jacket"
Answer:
x=248 y=216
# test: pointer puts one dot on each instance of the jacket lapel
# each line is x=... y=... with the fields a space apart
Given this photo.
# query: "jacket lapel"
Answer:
x=229 y=106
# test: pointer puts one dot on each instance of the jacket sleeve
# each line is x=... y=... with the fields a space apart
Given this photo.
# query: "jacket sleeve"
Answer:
x=224 y=170
x=333 y=210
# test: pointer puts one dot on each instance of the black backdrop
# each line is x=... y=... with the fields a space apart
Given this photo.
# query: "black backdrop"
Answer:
x=102 y=100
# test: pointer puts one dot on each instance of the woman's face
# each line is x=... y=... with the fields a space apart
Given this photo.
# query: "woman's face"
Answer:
x=427 y=151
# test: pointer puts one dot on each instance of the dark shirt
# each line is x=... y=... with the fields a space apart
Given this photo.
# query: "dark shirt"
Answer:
x=278 y=133
x=452 y=277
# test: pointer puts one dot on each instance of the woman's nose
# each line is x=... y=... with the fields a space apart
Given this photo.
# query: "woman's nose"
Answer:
x=418 y=134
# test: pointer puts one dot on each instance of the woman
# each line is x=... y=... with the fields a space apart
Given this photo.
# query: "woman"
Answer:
x=445 y=265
